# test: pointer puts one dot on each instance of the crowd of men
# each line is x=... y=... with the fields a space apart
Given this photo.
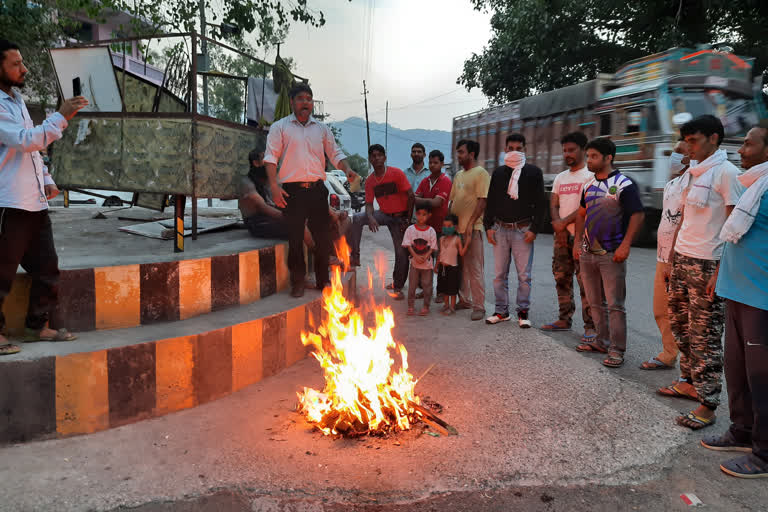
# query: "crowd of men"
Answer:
x=712 y=241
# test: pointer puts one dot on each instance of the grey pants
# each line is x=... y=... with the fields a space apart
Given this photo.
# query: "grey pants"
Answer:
x=603 y=277
x=419 y=278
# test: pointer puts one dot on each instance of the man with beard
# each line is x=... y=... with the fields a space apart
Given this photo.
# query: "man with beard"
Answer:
x=564 y=206
x=417 y=171
x=741 y=281
x=610 y=216
x=303 y=143
x=26 y=236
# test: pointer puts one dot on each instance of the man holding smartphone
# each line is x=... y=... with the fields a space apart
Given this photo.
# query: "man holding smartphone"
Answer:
x=26 y=237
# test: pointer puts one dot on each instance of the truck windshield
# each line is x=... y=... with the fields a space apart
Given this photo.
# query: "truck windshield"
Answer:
x=737 y=114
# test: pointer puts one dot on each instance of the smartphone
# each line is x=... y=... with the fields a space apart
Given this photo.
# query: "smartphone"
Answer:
x=76 y=88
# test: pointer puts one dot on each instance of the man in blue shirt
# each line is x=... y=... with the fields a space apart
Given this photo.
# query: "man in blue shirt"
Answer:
x=610 y=216
x=741 y=281
x=25 y=187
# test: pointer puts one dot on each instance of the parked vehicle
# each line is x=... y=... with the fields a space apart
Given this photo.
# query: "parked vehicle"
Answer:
x=338 y=197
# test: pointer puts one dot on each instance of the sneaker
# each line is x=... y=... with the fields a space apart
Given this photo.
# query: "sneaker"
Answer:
x=497 y=318
x=477 y=314
x=522 y=319
x=747 y=466
x=725 y=443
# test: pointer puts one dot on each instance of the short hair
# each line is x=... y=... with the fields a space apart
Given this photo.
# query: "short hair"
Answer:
x=6 y=45
x=515 y=137
x=763 y=125
x=420 y=146
x=254 y=154
x=425 y=206
x=472 y=146
x=706 y=125
x=577 y=138
x=453 y=218
x=436 y=153
x=377 y=147
x=300 y=88
x=603 y=145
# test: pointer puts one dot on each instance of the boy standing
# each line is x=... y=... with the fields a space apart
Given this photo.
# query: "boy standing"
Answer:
x=611 y=214
x=421 y=241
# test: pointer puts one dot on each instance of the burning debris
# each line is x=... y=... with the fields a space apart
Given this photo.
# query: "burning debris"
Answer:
x=365 y=392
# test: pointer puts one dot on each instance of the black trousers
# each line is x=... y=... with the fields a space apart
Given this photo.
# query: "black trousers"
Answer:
x=746 y=373
x=26 y=239
x=310 y=206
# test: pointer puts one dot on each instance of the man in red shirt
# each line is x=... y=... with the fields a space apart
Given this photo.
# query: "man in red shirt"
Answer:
x=391 y=189
x=435 y=190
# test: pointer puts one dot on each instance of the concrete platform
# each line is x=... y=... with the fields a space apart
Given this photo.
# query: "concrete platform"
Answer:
x=112 y=279
x=109 y=378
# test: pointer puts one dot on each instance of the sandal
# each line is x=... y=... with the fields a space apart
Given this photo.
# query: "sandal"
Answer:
x=674 y=392
x=32 y=335
x=592 y=347
x=695 y=422
x=554 y=326
x=424 y=312
x=8 y=349
x=589 y=338
x=655 y=364
x=411 y=312
x=614 y=360
x=448 y=311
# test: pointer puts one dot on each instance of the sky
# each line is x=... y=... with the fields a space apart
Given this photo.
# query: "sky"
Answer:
x=410 y=52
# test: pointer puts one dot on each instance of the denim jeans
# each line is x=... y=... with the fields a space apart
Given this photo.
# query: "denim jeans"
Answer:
x=510 y=244
x=396 y=226
x=602 y=277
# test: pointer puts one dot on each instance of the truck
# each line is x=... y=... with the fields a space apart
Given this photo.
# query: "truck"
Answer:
x=640 y=107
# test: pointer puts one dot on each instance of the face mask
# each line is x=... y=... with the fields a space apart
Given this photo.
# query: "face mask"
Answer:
x=676 y=163
x=449 y=231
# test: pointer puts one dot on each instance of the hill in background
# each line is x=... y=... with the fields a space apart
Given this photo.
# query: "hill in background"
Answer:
x=399 y=141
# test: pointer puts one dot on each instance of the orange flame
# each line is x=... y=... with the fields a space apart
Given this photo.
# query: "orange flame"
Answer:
x=364 y=392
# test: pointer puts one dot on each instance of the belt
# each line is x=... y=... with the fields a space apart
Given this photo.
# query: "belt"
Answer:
x=301 y=184
x=398 y=214
x=515 y=225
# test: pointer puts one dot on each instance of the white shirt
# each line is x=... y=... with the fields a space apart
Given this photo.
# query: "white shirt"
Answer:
x=699 y=233
x=302 y=148
x=568 y=186
x=22 y=172
x=421 y=241
x=671 y=211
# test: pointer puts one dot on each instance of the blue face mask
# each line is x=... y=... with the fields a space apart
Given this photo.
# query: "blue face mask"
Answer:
x=448 y=231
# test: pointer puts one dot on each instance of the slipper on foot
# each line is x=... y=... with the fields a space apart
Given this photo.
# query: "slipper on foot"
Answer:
x=694 y=422
x=655 y=364
x=8 y=349
x=554 y=327
x=592 y=347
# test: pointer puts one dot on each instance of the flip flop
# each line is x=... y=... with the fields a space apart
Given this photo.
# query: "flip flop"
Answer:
x=589 y=338
x=32 y=335
x=411 y=312
x=8 y=349
x=552 y=327
x=695 y=422
x=591 y=347
x=672 y=391
x=424 y=312
x=655 y=364
x=614 y=360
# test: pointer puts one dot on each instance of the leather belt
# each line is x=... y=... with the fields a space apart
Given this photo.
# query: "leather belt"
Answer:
x=301 y=184
x=515 y=225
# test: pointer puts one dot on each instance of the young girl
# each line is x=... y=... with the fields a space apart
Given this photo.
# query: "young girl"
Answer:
x=447 y=264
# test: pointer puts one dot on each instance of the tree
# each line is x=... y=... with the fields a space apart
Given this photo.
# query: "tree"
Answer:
x=539 y=45
x=358 y=164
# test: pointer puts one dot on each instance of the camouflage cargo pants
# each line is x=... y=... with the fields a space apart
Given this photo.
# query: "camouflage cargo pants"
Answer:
x=697 y=323
x=563 y=269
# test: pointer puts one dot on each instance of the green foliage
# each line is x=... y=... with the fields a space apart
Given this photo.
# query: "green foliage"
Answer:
x=358 y=164
x=539 y=45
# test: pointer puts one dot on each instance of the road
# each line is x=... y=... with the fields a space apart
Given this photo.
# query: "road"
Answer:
x=541 y=427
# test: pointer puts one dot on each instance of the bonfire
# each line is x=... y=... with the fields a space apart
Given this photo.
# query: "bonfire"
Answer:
x=365 y=391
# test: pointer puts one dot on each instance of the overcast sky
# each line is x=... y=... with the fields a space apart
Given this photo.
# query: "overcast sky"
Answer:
x=412 y=56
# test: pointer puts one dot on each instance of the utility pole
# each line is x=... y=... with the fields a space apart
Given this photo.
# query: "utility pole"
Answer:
x=204 y=53
x=386 y=127
x=367 y=126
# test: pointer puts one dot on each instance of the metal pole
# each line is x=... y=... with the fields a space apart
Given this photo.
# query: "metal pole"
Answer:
x=386 y=127
x=194 y=136
x=367 y=126
x=204 y=53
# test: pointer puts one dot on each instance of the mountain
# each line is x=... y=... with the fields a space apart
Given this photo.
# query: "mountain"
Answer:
x=399 y=142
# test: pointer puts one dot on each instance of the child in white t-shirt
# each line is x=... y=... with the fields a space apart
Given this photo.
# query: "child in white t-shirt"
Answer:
x=421 y=241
